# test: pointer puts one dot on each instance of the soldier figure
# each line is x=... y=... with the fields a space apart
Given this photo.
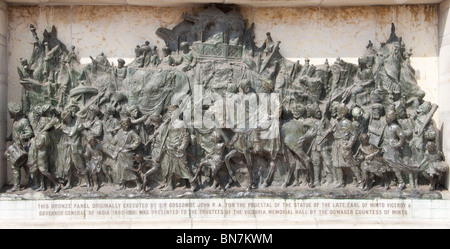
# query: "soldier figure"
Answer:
x=40 y=147
x=21 y=133
x=321 y=148
x=93 y=125
x=110 y=126
x=407 y=126
x=126 y=142
x=345 y=138
x=73 y=153
x=295 y=148
x=377 y=124
x=393 y=140
x=157 y=140
x=42 y=143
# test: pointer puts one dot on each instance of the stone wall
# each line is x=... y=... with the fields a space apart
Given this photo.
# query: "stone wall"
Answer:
x=444 y=77
x=3 y=87
x=316 y=33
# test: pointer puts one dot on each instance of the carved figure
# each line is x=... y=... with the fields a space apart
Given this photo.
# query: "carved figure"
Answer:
x=188 y=60
x=17 y=152
x=434 y=163
x=126 y=142
x=174 y=162
x=121 y=70
x=157 y=140
x=94 y=160
x=39 y=150
x=72 y=151
x=345 y=138
x=393 y=140
x=286 y=120
x=214 y=160
x=373 y=163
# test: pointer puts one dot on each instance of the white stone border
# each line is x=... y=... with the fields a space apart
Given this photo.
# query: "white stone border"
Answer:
x=225 y=213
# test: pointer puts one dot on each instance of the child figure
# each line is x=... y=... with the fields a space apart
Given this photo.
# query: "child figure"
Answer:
x=140 y=163
x=434 y=164
x=94 y=157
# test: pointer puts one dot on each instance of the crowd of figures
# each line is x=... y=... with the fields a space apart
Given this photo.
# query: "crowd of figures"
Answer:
x=125 y=125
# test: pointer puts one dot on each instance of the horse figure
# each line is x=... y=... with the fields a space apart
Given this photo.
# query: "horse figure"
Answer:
x=247 y=143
